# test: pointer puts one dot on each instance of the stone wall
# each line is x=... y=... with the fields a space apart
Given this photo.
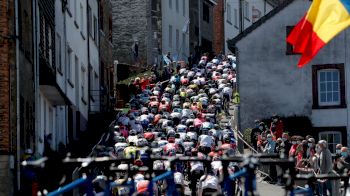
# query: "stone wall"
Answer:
x=129 y=25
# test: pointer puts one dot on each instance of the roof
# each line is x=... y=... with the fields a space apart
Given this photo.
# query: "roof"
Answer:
x=232 y=42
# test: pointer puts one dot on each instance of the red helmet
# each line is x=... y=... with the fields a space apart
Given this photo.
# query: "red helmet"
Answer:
x=149 y=136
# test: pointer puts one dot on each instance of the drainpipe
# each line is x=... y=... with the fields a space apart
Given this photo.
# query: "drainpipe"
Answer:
x=17 y=97
x=65 y=72
x=240 y=17
x=88 y=55
x=36 y=73
x=199 y=24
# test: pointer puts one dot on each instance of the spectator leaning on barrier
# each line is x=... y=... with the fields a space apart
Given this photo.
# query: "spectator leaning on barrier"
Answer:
x=286 y=145
x=293 y=147
x=338 y=148
x=325 y=158
x=270 y=145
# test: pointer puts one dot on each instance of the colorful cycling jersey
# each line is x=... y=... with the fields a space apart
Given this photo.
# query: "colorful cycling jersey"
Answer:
x=205 y=140
x=130 y=152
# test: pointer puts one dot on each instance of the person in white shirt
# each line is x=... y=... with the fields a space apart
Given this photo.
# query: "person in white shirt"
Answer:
x=209 y=184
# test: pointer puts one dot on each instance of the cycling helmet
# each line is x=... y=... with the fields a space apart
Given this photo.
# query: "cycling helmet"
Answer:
x=132 y=132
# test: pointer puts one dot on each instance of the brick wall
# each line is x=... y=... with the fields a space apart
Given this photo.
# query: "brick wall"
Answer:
x=218 y=27
x=7 y=57
x=4 y=80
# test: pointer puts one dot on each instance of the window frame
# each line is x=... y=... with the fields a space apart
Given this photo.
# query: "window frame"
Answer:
x=228 y=13
x=82 y=18
x=333 y=143
x=315 y=86
x=177 y=39
x=83 y=81
x=170 y=34
x=246 y=10
x=235 y=12
x=326 y=103
x=184 y=8
x=177 y=6
x=69 y=66
x=59 y=55
x=90 y=22
x=206 y=9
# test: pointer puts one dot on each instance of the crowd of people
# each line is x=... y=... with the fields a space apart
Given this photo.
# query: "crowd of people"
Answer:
x=177 y=117
x=310 y=156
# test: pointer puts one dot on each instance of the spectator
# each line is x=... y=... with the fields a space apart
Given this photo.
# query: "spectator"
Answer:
x=343 y=164
x=325 y=166
x=338 y=148
x=276 y=127
x=293 y=147
x=270 y=145
x=286 y=145
x=255 y=133
x=261 y=142
x=311 y=148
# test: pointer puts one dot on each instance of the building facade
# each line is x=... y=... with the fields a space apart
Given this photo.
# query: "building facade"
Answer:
x=201 y=26
x=239 y=15
x=175 y=28
x=270 y=82
x=106 y=56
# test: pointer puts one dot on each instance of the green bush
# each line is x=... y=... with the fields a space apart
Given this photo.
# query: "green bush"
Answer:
x=246 y=135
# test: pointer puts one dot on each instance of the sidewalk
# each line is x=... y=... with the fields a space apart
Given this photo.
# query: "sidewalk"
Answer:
x=266 y=189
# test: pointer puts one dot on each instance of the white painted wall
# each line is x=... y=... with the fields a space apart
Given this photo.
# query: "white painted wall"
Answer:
x=94 y=59
x=270 y=81
x=177 y=19
x=232 y=16
x=77 y=43
x=52 y=121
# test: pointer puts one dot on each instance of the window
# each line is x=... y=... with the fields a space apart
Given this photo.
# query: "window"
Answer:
x=332 y=137
x=183 y=42
x=170 y=36
x=82 y=18
x=177 y=39
x=184 y=7
x=236 y=17
x=59 y=53
x=69 y=7
x=95 y=29
x=69 y=66
x=75 y=67
x=170 y=4
x=75 y=12
x=83 y=79
x=90 y=21
x=246 y=9
x=290 y=48
x=177 y=5
x=49 y=46
x=206 y=12
x=328 y=86
x=228 y=11
x=101 y=16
